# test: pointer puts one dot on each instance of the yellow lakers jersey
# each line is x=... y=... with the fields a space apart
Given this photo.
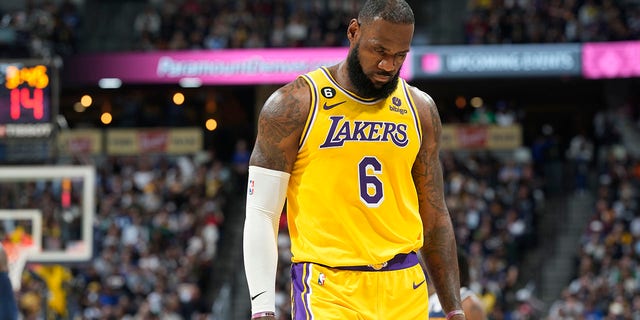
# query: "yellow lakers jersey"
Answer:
x=351 y=198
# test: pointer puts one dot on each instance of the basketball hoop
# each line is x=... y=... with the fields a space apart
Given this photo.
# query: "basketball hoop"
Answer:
x=17 y=255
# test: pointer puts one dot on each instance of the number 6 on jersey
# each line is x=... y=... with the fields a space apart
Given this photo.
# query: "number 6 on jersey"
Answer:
x=371 y=189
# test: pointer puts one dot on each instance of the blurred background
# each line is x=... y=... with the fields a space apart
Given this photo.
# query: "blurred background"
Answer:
x=540 y=101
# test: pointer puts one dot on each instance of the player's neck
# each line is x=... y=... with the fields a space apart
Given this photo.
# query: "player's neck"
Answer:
x=340 y=73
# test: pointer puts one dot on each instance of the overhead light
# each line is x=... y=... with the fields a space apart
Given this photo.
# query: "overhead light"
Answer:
x=211 y=124
x=178 y=98
x=110 y=83
x=190 y=82
x=86 y=101
x=476 y=102
x=78 y=107
x=106 y=118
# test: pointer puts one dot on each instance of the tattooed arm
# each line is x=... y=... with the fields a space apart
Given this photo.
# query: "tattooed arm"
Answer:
x=439 y=249
x=280 y=125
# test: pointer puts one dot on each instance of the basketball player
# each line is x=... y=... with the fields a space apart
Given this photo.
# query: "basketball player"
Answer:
x=354 y=150
x=8 y=306
x=471 y=303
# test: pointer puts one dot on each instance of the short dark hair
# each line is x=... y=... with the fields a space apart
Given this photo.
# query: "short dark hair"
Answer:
x=394 y=11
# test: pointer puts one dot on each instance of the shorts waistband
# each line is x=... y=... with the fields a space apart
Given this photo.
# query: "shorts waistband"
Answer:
x=399 y=262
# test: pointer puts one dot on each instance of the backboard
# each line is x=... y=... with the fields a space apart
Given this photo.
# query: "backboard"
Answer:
x=64 y=196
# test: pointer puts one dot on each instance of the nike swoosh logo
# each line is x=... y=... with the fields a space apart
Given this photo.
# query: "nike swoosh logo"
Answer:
x=331 y=106
x=257 y=295
x=415 y=286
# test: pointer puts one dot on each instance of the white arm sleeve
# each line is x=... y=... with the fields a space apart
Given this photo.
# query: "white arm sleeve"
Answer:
x=266 y=193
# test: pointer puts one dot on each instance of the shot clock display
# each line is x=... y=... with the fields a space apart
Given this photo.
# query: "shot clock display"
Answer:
x=25 y=100
x=28 y=107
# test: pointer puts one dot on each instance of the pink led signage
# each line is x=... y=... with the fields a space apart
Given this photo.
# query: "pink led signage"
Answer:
x=611 y=60
x=225 y=67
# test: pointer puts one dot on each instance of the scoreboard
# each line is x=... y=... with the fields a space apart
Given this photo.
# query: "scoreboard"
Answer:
x=28 y=109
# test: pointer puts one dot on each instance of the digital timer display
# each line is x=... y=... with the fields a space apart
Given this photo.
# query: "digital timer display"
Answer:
x=25 y=94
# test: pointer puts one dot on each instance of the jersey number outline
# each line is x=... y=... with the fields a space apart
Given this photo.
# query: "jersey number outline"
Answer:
x=371 y=182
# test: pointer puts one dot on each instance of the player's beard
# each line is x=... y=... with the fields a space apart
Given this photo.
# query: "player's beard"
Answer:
x=363 y=85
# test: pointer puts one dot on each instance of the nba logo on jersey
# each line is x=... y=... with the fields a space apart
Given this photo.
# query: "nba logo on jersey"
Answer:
x=321 y=279
x=251 y=187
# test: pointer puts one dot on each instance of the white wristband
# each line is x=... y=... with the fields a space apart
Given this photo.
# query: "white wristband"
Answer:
x=266 y=193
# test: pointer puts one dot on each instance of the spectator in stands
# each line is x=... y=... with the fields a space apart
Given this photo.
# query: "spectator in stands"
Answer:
x=482 y=115
x=147 y=23
x=504 y=115
x=40 y=31
x=240 y=157
x=605 y=284
x=550 y=21
x=54 y=29
x=580 y=153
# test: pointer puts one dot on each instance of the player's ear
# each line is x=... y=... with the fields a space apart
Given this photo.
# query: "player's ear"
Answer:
x=353 y=29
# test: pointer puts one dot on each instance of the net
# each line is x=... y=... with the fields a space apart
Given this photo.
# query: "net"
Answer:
x=17 y=256
x=20 y=236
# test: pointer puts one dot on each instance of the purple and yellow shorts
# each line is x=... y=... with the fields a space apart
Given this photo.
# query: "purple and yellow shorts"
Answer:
x=395 y=290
